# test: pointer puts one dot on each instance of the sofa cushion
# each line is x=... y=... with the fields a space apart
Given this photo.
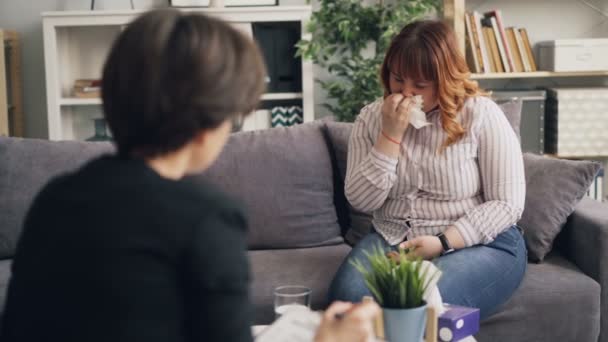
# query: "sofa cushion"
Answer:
x=27 y=165
x=555 y=302
x=311 y=267
x=553 y=188
x=284 y=178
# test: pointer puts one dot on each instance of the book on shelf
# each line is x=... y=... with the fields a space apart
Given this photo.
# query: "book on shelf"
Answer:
x=486 y=68
x=524 y=36
x=497 y=15
x=495 y=51
x=522 y=50
x=512 y=42
x=87 y=88
x=479 y=67
x=471 y=52
x=487 y=32
x=492 y=48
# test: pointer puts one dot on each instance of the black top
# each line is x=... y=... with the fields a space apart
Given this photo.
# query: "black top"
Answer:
x=114 y=252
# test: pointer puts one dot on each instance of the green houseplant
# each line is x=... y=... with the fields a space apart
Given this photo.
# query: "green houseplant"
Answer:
x=349 y=38
x=398 y=282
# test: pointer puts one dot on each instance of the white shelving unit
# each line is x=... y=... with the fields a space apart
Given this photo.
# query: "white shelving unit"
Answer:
x=76 y=44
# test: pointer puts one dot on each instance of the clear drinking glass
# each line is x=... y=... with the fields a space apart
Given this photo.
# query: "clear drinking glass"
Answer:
x=290 y=297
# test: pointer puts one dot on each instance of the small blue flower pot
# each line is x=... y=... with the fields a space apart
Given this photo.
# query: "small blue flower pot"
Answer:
x=404 y=325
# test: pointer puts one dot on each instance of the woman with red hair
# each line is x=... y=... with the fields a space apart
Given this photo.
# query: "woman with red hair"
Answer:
x=451 y=190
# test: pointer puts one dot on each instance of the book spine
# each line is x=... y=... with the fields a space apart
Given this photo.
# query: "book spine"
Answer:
x=482 y=43
x=519 y=67
x=501 y=28
x=471 y=54
x=477 y=34
x=526 y=39
x=486 y=35
x=501 y=45
x=522 y=51
x=495 y=51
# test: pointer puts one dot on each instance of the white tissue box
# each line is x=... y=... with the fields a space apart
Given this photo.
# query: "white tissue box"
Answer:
x=576 y=122
x=574 y=55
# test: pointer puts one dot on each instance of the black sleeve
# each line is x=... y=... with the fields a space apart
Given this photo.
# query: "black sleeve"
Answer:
x=217 y=298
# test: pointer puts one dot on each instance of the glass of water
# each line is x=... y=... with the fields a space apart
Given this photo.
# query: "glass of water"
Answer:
x=290 y=297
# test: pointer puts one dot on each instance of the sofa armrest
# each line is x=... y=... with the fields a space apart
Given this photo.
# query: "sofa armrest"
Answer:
x=584 y=241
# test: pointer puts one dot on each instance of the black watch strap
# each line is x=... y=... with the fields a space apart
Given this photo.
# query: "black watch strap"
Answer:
x=447 y=248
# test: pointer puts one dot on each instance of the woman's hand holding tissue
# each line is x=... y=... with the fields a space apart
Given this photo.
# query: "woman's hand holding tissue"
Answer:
x=396 y=115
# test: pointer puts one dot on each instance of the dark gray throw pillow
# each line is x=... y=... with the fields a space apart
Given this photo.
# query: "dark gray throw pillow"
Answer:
x=553 y=188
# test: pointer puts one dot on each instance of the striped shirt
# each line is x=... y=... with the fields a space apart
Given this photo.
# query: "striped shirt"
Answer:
x=476 y=184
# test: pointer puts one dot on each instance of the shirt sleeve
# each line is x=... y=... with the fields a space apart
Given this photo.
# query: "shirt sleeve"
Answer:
x=370 y=175
x=217 y=280
x=502 y=177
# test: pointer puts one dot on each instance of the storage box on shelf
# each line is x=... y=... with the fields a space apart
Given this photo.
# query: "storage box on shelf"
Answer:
x=574 y=54
x=577 y=122
x=532 y=123
x=76 y=44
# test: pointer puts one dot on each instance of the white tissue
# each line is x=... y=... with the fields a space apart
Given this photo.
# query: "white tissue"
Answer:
x=417 y=115
x=432 y=295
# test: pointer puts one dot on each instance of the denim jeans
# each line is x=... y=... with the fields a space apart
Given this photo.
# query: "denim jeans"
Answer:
x=481 y=276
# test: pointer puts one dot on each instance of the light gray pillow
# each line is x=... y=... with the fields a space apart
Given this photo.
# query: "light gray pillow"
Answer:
x=27 y=165
x=553 y=188
x=357 y=224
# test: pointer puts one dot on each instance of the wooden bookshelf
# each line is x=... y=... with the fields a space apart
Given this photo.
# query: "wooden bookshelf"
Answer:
x=11 y=101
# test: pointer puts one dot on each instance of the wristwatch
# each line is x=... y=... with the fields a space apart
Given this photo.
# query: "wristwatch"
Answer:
x=447 y=248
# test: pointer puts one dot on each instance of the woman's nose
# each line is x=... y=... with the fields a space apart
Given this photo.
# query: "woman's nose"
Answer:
x=407 y=91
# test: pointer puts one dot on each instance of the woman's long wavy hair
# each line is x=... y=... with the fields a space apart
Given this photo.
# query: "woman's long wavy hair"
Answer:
x=427 y=50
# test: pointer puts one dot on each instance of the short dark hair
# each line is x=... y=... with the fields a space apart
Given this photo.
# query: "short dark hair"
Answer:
x=171 y=74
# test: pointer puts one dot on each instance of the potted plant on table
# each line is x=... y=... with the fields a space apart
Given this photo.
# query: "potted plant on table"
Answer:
x=398 y=283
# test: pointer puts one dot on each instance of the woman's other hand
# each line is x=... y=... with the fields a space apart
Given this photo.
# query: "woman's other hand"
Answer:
x=427 y=246
x=344 y=322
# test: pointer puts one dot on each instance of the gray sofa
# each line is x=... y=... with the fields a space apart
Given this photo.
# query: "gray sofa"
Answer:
x=291 y=184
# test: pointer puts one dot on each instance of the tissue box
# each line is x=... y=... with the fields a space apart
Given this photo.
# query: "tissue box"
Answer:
x=457 y=322
x=574 y=54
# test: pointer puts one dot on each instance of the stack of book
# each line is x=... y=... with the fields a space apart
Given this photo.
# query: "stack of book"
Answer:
x=87 y=88
x=494 y=48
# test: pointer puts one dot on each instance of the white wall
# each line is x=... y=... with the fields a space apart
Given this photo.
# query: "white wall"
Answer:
x=544 y=19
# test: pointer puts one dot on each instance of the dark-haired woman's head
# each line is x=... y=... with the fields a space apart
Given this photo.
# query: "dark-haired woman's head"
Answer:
x=424 y=59
x=172 y=75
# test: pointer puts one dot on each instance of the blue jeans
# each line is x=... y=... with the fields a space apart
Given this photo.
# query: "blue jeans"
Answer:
x=481 y=276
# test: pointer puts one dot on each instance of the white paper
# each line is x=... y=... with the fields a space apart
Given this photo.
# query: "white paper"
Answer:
x=299 y=325
x=294 y=326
